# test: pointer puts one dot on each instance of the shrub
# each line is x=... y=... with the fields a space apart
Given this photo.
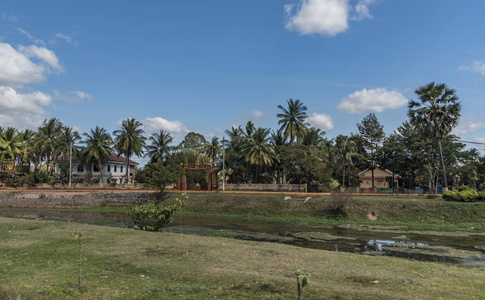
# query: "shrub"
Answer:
x=151 y=217
x=463 y=194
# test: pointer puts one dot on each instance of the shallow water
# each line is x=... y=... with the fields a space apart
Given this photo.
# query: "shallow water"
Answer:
x=461 y=247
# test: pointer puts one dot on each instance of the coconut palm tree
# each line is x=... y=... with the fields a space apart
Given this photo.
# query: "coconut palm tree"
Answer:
x=345 y=152
x=435 y=115
x=159 y=146
x=213 y=149
x=46 y=139
x=313 y=137
x=98 y=146
x=129 y=140
x=258 y=151
x=10 y=145
x=67 y=139
x=292 y=120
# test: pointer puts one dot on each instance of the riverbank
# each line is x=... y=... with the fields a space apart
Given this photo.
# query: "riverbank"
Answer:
x=40 y=262
x=333 y=209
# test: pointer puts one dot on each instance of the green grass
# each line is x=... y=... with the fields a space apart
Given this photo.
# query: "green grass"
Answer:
x=39 y=261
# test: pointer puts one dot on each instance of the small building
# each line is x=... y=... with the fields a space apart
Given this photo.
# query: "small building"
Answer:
x=113 y=171
x=383 y=179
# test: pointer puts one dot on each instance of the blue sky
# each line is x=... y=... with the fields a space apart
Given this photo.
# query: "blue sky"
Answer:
x=203 y=66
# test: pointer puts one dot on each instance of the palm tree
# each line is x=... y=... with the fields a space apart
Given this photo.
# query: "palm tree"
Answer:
x=67 y=139
x=159 y=146
x=345 y=151
x=435 y=115
x=292 y=120
x=258 y=151
x=313 y=137
x=213 y=149
x=10 y=145
x=98 y=146
x=46 y=140
x=129 y=140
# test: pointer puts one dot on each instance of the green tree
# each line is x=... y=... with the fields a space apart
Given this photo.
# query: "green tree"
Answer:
x=10 y=145
x=67 y=138
x=159 y=176
x=213 y=149
x=129 y=140
x=292 y=120
x=46 y=140
x=98 y=146
x=372 y=133
x=159 y=146
x=193 y=141
x=435 y=115
x=345 y=152
x=258 y=151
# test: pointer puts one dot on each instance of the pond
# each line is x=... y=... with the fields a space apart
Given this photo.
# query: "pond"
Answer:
x=464 y=247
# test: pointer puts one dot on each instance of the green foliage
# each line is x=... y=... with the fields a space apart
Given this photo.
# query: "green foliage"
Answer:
x=159 y=176
x=464 y=194
x=150 y=217
x=303 y=279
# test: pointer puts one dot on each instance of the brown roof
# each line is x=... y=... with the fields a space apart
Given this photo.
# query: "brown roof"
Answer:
x=112 y=157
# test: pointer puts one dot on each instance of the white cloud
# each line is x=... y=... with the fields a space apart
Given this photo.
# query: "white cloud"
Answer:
x=322 y=121
x=30 y=37
x=8 y=17
x=327 y=17
x=45 y=55
x=17 y=69
x=362 y=10
x=480 y=140
x=73 y=96
x=375 y=100
x=176 y=128
x=64 y=37
x=22 y=110
x=467 y=127
x=478 y=66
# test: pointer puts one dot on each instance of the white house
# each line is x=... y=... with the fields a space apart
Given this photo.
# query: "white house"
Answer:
x=114 y=169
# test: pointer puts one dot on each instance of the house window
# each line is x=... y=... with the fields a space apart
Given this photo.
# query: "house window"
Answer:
x=95 y=168
x=80 y=168
x=121 y=169
x=381 y=179
x=115 y=169
x=109 y=168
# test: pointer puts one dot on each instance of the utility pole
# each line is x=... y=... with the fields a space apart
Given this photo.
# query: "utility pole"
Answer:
x=70 y=163
x=223 y=163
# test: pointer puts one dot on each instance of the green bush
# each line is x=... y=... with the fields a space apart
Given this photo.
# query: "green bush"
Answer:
x=151 y=217
x=464 y=194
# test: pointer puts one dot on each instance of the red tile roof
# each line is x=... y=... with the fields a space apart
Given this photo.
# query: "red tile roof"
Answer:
x=113 y=157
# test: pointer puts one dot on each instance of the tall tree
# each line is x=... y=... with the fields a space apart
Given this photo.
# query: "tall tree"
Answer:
x=98 y=146
x=68 y=138
x=258 y=151
x=129 y=140
x=345 y=152
x=213 y=149
x=46 y=140
x=292 y=120
x=435 y=115
x=10 y=145
x=372 y=133
x=159 y=146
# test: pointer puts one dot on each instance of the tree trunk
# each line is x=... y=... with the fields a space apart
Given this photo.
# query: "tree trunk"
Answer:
x=127 y=166
x=343 y=178
x=445 y=182
x=373 y=178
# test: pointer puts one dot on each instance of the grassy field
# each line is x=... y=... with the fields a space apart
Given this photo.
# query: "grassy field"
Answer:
x=401 y=210
x=39 y=261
